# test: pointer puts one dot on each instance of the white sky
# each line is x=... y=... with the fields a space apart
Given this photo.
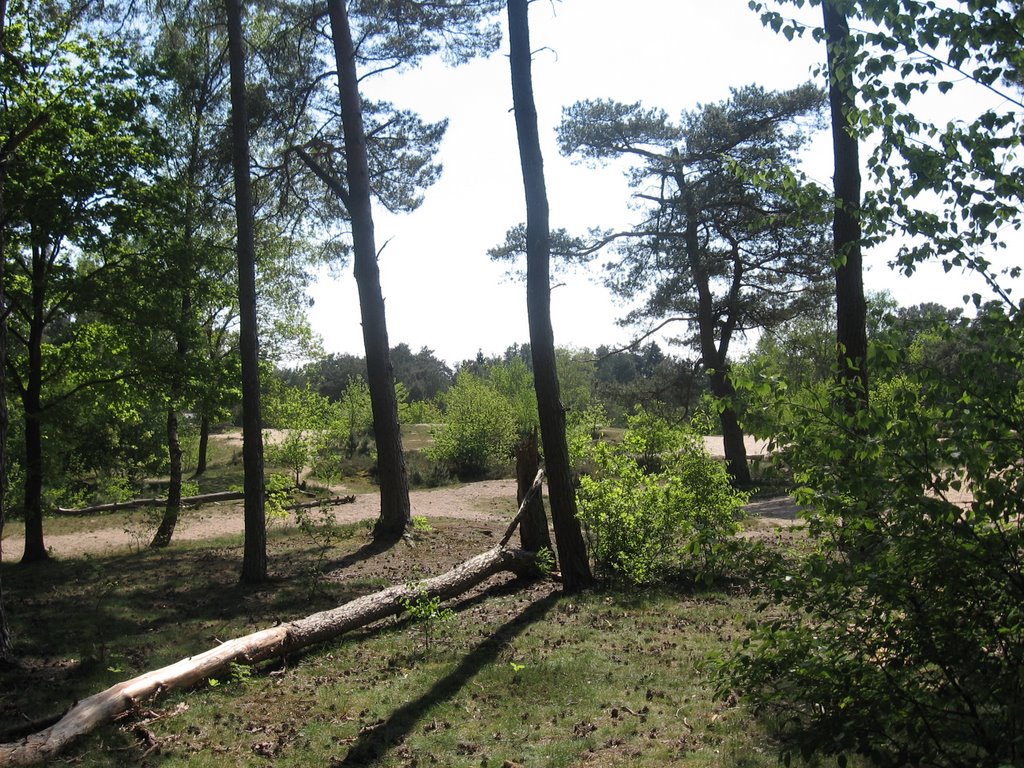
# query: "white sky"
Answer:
x=441 y=289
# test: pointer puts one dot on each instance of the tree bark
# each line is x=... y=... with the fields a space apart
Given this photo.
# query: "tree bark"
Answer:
x=714 y=355
x=254 y=558
x=103 y=707
x=533 y=528
x=732 y=432
x=31 y=398
x=851 y=308
x=7 y=154
x=172 y=508
x=395 y=511
x=204 y=444
x=572 y=553
x=6 y=644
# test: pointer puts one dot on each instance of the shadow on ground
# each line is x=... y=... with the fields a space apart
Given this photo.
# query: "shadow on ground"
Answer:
x=372 y=745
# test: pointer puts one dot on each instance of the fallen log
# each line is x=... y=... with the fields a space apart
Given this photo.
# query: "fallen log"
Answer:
x=102 y=708
x=331 y=502
x=186 y=501
x=191 y=501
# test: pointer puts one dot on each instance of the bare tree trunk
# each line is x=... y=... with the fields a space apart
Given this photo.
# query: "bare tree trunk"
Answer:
x=172 y=509
x=732 y=432
x=851 y=308
x=204 y=444
x=572 y=553
x=254 y=558
x=31 y=398
x=35 y=548
x=714 y=354
x=6 y=644
x=533 y=529
x=103 y=707
x=395 y=512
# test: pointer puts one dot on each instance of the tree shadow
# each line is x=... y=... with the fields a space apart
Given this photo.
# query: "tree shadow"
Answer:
x=372 y=745
x=367 y=551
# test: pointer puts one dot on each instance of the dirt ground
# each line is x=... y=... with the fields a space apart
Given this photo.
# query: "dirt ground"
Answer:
x=487 y=501
x=484 y=501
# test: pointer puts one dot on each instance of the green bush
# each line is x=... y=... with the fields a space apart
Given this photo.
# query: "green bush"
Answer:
x=419 y=412
x=352 y=422
x=901 y=635
x=479 y=428
x=293 y=452
x=644 y=524
x=583 y=432
x=514 y=380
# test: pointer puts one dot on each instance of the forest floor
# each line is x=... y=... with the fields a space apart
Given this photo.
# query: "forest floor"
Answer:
x=509 y=674
x=516 y=674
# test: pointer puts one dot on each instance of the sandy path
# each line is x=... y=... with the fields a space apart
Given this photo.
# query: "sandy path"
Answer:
x=489 y=500
x=486 y=501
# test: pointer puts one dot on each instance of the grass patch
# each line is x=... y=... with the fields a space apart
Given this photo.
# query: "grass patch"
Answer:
x=522 y=676
x=417 y=437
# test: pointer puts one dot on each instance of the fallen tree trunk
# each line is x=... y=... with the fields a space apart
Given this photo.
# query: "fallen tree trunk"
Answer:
x=104 y=707
x=332 y=502
x=191 y=501
x=186 y=501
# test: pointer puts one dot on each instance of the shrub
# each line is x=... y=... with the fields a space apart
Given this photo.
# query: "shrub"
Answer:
x=420 y=412
x=352 y=421
x=293 y=451
x=583 y=432
x=479 y=430
x=901 y=636
x=642 y=523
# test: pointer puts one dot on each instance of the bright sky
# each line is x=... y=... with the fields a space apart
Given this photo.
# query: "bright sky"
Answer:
x=441 y=289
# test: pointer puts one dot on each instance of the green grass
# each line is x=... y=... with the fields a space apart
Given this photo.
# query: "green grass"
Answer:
x=522 y=676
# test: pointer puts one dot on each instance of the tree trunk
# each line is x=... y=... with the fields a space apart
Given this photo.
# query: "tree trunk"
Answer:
x=572 y=553
x=204 y=444
x=713 y=355
x=173 y=506
x=851 y=308
x=7 y=657
x=395 y=512
x=6 y=644
x=31 y=398
x=732 y=433
x=254 y=558
x=283 y=639
x=533 y=528
x=7 y=153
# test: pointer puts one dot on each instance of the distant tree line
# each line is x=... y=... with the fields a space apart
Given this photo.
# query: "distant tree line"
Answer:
x=618 y=379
